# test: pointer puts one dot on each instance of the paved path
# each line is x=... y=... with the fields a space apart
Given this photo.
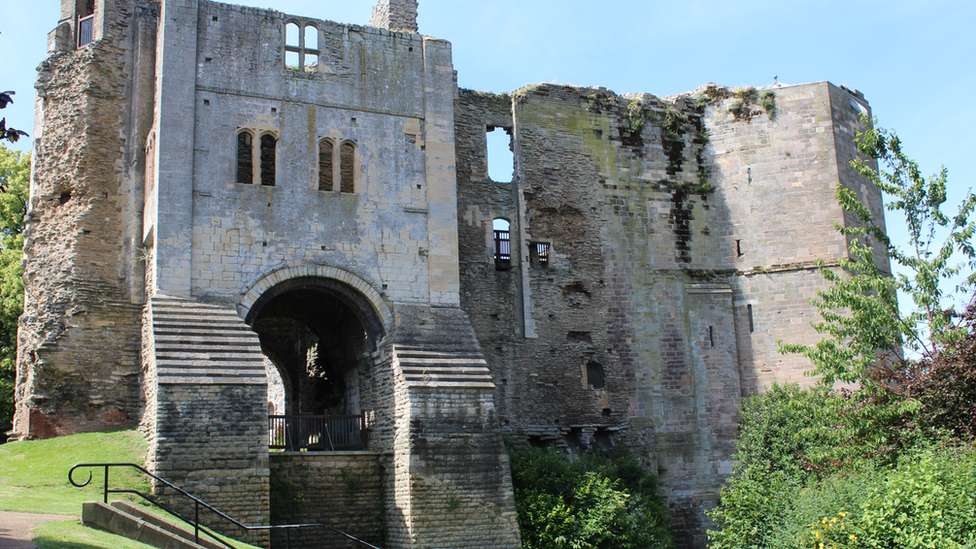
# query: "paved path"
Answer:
x=16 y=528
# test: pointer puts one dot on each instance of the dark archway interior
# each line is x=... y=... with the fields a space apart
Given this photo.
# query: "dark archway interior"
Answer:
x=320 y=347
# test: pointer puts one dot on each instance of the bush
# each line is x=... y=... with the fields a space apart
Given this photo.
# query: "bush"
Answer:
x=781 y=429
x=597 y=502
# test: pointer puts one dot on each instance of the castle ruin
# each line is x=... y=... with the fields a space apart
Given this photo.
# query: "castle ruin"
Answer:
x=238 y=217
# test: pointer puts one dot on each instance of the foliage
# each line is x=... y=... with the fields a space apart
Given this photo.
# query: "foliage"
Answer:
x=748 y=95
x=888 y=462
x=861 y=318
x=595 y=502
x=673 y=120
x=8 y=134
x=14 y=179
x=768 y=102
x=638 y=115
x=780 y=427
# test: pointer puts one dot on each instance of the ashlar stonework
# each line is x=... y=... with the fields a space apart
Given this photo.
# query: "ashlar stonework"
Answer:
x=241 y=219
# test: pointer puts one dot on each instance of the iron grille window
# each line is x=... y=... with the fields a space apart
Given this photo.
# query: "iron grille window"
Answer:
x=503 y=250
x=86 y=30
x=542 y=253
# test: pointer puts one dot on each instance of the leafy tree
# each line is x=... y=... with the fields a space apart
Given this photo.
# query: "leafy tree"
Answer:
x=860 y=309
x=8 y=134
x=14 y=179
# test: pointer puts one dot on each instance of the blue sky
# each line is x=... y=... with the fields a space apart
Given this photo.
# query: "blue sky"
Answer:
x=913 y=61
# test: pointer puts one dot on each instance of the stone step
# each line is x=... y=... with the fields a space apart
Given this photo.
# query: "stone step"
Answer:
x=203 y=343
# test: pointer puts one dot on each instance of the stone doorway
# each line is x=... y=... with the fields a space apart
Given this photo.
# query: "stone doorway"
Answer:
x=318 y=343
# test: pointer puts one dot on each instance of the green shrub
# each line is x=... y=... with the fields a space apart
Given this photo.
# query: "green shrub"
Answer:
x=928 y=500
x=780 y=428
x=596 y=502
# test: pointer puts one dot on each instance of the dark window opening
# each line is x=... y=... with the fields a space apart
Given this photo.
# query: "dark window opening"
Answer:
x=752 y=324
x=325 y=165
x=594 y=375
x=245 y=158
x=711 y=336
x=347 y=172
x=541 y=254
x=503 y=245
x=65 y=197
x=738 y=248
x=268 y=146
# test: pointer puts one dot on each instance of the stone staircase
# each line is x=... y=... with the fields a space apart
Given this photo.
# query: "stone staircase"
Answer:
x=438 y=347
x=127 y=520
x=202 y=343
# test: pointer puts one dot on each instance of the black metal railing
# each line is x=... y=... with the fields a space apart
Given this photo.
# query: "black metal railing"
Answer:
x=86 y=30
x=197 y=505
x=325 y=432
x=503 y=250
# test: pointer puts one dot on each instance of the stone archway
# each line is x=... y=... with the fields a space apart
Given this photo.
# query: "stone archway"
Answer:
x=323 y=329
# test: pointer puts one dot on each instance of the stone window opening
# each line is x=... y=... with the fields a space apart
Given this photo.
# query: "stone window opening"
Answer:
x=256 y=164
x=499 y=151
x=738 y=248
x=245 y=157
x=337 y=164
x=502 y=248
x=711 y=336
x=540 y=253
x=301 y=46
x=85 y=10
x=326 y=165
x=752 y=323
x=594 y=375
x=347 y=167
x=269 y=147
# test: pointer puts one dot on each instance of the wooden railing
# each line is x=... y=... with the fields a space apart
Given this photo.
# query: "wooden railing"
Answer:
x=325 y=432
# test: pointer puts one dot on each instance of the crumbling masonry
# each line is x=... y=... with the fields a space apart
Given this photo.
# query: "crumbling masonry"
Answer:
x=236 y=213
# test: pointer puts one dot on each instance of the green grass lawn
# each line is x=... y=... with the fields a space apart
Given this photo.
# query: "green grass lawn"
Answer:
x=34 y=479
x=34 y=474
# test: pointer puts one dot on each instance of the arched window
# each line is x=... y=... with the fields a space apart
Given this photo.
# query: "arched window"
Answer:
x=301 y=46
x=347 y=164
x=326 y=177
x=268 y=147
x=245 y=157
x=502 y=244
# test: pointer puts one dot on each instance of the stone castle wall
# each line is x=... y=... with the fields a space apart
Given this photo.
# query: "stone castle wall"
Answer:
x=682 y=245
x=681 y=236
x=342 y=490
x=78 y=349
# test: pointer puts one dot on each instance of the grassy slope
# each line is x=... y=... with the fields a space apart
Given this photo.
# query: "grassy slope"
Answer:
x=34 y=479
x=34 y=474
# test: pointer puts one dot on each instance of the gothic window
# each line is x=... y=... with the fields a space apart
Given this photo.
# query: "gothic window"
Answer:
x=245 y=157
x=326 y=177
x=268 y=154
x=502 y=244
x=347 y=164
x=301 y=46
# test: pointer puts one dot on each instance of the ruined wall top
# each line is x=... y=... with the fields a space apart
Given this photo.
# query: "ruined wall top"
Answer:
x=395 y=15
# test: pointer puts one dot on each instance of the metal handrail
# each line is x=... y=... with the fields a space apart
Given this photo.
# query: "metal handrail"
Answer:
x=197 y=503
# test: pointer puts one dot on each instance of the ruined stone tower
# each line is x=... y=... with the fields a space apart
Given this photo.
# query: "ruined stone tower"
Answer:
x=242 y=222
